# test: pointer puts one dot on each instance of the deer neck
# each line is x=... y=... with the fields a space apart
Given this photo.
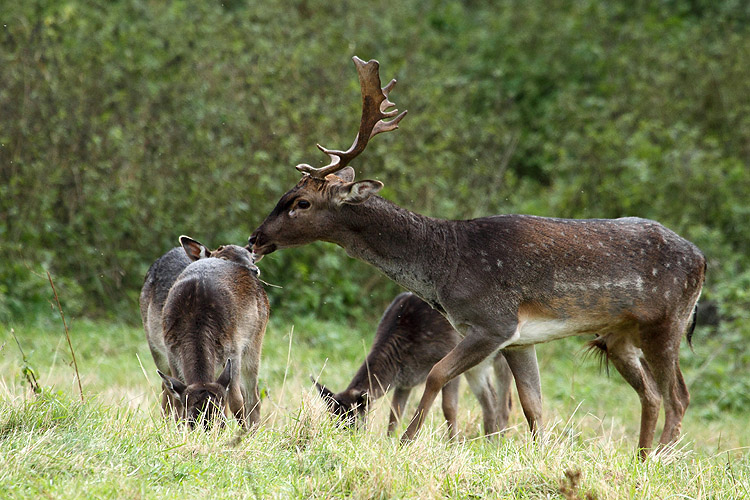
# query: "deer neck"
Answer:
x=377 y=374
x=407 y=247
x=374 y=383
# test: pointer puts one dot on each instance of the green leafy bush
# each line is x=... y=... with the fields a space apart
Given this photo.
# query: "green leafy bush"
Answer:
x=125 y=124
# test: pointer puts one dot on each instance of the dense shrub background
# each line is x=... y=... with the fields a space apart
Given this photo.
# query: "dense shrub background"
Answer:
x=124 y=124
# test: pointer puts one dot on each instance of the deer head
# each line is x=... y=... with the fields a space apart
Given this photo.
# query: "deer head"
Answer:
x=303 y=211
x=348 y=407
x=243 y=256
x=202 y=403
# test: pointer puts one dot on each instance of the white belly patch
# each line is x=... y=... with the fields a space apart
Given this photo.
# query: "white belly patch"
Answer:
x=535 y=331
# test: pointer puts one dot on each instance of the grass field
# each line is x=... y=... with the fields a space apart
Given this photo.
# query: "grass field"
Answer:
x=116 y=445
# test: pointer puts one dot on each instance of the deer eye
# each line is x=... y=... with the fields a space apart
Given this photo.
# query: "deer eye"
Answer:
x=303 y=204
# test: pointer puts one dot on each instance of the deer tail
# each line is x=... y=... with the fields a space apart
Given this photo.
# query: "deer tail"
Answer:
x=598 y=347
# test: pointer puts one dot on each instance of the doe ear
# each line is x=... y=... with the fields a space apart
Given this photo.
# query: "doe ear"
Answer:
x=173 y=385
x=360 y=397
x=354 y=193
x=194 y=249
x=324 y=391
x=225 y=379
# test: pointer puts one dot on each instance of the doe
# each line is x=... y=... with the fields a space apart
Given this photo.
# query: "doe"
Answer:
x=205 y=316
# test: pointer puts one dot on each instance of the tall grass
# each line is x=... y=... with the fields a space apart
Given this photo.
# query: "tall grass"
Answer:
x=116 y=444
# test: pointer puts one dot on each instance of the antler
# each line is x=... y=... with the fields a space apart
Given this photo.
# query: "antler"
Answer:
x=375 y=104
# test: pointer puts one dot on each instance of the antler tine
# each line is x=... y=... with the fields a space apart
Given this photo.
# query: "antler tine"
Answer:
x=375 y=105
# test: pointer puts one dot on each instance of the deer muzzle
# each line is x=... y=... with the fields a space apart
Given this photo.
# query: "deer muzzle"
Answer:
x=259 y=246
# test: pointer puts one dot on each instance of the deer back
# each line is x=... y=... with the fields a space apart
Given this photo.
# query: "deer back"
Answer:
x=216 y=309
x=411 y=337
x=588 y=273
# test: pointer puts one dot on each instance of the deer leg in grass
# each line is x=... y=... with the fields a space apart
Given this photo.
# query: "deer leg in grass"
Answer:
x=252 y=407
x=250 y=393
x=503 y=380
x=450 y=405
x=627 y=359
x=480 y=382
x=665 y=367
x=400 y=397
x=523 y=364
x=167 y=401
x=474 y=348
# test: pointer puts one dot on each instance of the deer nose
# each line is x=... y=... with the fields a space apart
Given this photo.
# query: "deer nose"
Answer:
x=251 y=239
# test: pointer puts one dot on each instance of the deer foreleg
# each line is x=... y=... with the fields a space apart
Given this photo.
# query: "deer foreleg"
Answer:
x=503 y=379
x=480 y=381
x=474 y=348
x=400 y=396
x=450 y=405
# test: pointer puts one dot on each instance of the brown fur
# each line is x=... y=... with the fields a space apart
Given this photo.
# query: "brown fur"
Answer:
x=631 y=281
x=211 y=321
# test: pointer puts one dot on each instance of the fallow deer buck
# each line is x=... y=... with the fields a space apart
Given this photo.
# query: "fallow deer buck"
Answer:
x=509 y=281
x=205 y=314
x=412 y=337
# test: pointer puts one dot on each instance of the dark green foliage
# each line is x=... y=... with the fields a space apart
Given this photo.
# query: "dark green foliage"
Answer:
x=125 y=124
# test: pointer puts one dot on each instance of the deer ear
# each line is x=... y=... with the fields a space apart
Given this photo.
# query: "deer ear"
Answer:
x=324 y=392
x=225 y=379
x=346 y=175
x=354 y=193
x=176 y=387
x=359 y=397
x=194 y=249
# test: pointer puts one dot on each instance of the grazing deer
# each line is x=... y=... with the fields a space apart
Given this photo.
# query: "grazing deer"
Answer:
x=509 y=281
x=410 y=339
x=206 y=314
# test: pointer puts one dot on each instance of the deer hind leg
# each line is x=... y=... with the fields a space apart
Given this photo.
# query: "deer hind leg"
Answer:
x=628 y=361
x=398 y=402
x=503 y=379
x=476 y=346
x=480 y=382
x=249 y=385
x=251 y=402
x=523 y=364
x=450 y=405
x=168 y=403
x=660 y=345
